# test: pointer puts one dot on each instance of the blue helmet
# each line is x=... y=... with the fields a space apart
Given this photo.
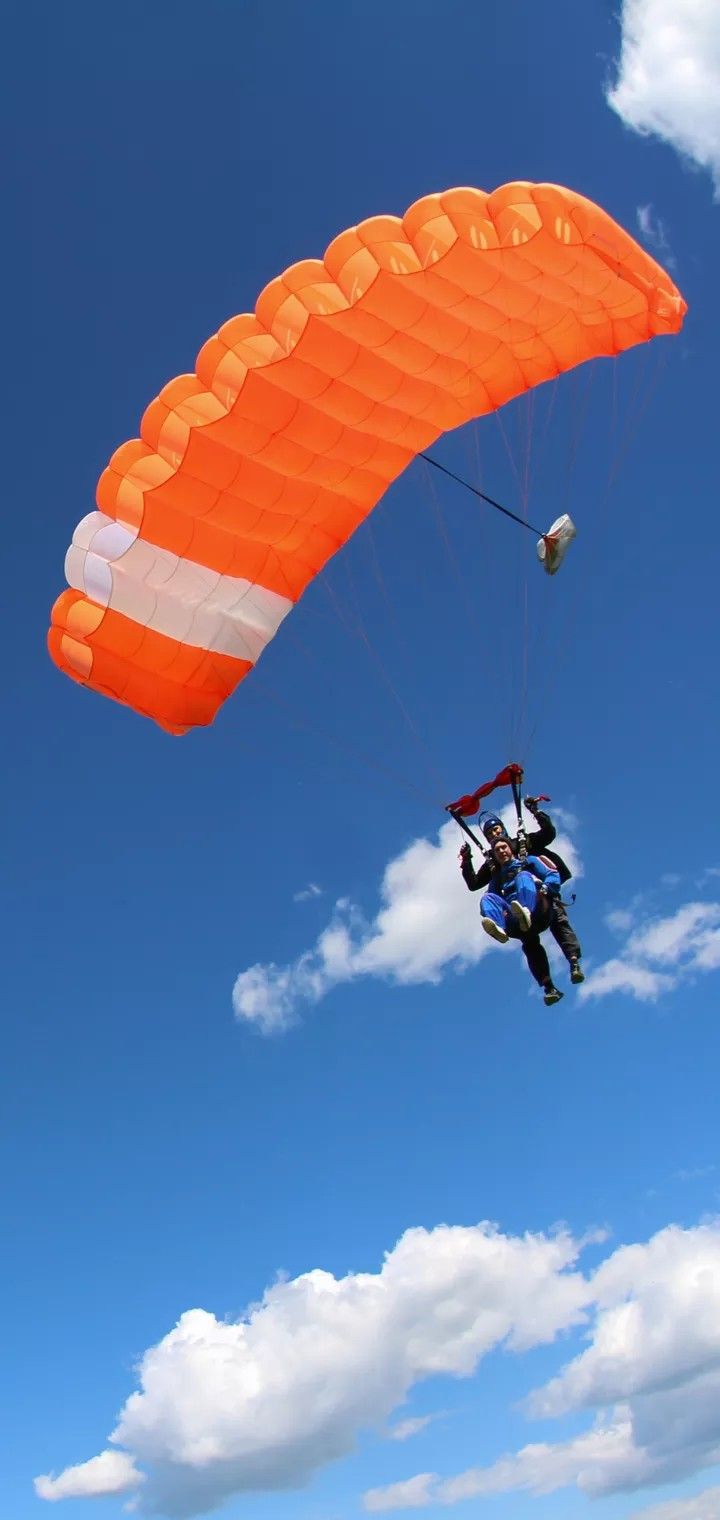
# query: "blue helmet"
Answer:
x=490 y=821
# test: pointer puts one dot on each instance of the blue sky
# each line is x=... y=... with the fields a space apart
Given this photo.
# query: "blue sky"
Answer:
x=161 y=1155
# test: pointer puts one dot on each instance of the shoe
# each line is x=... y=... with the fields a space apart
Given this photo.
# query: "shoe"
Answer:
x=577 y=975
x=494 y=930
x=552 y=995
x=521 y=915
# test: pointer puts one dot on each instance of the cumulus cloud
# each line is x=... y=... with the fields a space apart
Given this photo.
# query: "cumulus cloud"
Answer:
x=112 y=1472
x=668 y=81
x=265 y=1402
x=659 y=953
x=657 y=1323
x=427 y=924
x=650 y=1375
x=704 y=1506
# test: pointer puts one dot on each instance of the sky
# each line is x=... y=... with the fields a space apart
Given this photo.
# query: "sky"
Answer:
x=311 y=1209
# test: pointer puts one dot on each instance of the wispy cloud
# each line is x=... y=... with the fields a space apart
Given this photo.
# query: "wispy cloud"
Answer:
x=704 y=1506
x=405 y=1429
x=659 y=953
x=654 y=232
x=427 y=925
x=540 y=1468
x=693 y=1173
x=668 y=79
x=308 y=892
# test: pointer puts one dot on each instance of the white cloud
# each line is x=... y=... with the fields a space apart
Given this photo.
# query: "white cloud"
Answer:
x=405 y=1429
x=655 y=234
x=308 y=892
x=112 y=1472
x=411 y=1493
x=427 y=925
x=707 y=954
x=659 y=953
x=262 y=1404
x=620 y=920
x=668 y=80
x=651 y=1373
x=658 y=1323
x=704 y=1506
x=621 y=976
x=539 y=1469
x=667 y=939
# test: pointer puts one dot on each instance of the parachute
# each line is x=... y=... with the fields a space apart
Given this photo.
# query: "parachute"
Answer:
x=252 y=472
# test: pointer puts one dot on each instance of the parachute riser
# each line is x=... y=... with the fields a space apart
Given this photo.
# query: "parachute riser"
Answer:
x=460 y=821
x=521 y=835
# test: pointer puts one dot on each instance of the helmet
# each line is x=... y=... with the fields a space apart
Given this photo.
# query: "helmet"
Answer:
x=490 y=821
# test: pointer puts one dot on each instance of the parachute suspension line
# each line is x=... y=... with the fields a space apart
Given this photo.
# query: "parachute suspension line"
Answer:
x=390 y=606
x=441 y=525
x=618 y=448
x=514 y=516
x=474 y=455
x=548 y=419
x=358 y=630
x=520 y=459
x=582 y=388
x=357 y=756
x=545 y=644
x=475 y=623
x=641 y=404
x=302 y=722
x=522 y=521
x=529 y=419
x=505 y=655
x=508 y=447
x=377 y=658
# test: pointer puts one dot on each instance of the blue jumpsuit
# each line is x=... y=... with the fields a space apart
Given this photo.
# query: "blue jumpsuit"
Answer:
x=517 y=881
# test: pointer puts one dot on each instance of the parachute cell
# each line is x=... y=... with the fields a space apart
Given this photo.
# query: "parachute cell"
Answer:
x=252 y=472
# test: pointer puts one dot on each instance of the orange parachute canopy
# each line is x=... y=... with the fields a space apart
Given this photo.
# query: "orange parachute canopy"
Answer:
x=250 y=473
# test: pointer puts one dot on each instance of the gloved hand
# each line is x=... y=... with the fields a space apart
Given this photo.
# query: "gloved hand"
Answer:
x=531 y=803
x=465 y=854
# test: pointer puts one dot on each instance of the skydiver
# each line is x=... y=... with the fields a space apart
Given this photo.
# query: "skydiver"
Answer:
x=517 y=906
x=536 y=843
x=553 y=909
